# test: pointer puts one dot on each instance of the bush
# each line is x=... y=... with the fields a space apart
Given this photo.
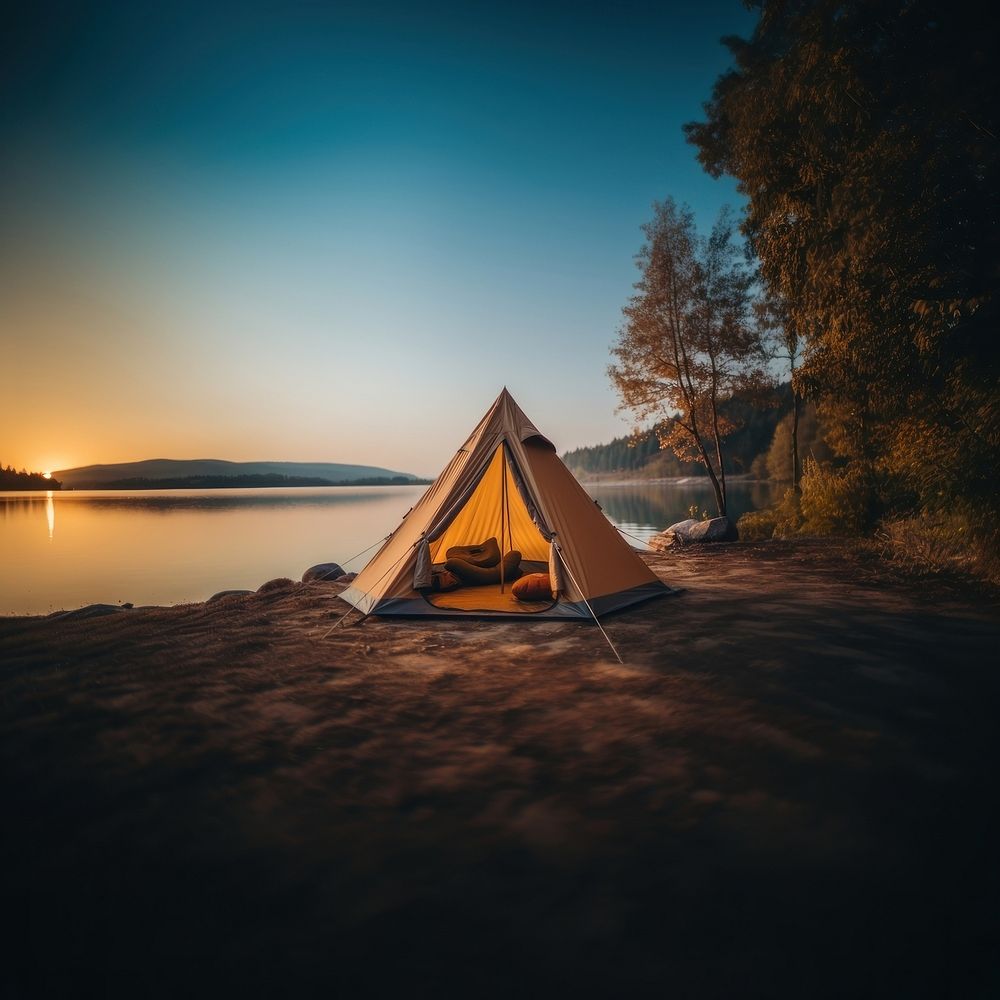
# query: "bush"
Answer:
x=961 y=541
x=757 y=525
x=834 y=501
x=964 y=539
x=780 y=521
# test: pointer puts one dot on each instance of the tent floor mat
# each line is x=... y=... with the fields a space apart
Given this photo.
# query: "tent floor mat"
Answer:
x=486 y=598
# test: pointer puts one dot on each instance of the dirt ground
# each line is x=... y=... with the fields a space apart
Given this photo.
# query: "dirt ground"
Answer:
x=787 y=790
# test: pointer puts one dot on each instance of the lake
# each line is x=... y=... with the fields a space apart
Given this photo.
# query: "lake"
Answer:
x=67 y=549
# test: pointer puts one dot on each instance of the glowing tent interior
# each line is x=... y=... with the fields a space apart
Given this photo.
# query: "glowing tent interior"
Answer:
x=506 y=482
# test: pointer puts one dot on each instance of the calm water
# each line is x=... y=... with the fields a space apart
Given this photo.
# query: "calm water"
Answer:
x=63 y=550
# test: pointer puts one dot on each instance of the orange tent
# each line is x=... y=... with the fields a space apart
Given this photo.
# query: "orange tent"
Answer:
x=507 y=482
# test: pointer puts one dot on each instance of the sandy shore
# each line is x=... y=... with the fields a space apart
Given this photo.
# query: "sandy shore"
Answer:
x=788 y=790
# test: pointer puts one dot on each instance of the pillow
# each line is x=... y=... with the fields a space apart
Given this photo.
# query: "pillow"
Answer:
x=478 y=576
x=533 y=587
x=442 y=580
x=485 y=554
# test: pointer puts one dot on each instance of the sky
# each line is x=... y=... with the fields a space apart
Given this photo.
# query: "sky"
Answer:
x=331 y=232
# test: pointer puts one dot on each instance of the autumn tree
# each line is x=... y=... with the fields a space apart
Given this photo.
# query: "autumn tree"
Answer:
x=865 y=135
x=689 y=341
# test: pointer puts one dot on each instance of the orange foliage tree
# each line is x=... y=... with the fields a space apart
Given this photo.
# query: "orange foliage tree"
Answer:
x=689 y=340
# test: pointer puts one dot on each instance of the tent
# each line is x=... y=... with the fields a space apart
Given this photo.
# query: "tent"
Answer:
x=507 y=482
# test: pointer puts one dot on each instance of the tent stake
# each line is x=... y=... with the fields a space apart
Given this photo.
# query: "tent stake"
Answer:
x=335 y=625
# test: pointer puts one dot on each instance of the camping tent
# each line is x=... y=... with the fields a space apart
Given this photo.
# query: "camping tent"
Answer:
x=506 y=482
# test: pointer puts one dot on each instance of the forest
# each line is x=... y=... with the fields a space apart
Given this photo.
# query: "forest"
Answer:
x=757 y=446
x=12 y=479
x=865 y=263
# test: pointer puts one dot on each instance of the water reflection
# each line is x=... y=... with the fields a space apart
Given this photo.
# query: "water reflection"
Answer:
x=171 y=501
x=12 y=505
x=644 y=509
x=169 y=547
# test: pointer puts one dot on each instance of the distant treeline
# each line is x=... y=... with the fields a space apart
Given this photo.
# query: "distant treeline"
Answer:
x=242 y=482
x=640 y=457
x=12 y=479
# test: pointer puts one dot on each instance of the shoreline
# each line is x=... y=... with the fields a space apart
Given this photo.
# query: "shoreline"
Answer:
x=674 y=481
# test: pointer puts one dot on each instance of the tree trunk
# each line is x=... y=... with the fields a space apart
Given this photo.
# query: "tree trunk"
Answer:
x=720 y=491
x=796 y=469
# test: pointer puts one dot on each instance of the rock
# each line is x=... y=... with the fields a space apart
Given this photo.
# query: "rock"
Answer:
x=228 y=593
x=716 y=529
x=90 y=611
x=280 y=583
x=322 y=571
x=667 y=537
x=346 y=578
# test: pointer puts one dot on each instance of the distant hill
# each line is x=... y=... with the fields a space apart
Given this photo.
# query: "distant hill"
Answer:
x=210 y=473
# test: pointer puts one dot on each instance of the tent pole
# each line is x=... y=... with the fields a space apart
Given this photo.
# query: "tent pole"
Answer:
x=589 y=608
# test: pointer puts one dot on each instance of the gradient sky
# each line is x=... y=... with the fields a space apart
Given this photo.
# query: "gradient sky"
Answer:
x=331 y=232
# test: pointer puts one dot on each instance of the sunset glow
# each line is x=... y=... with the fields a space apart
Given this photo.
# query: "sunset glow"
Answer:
x=325 y=241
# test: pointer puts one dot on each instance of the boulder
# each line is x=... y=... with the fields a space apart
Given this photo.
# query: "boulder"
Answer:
x=347 y=578
x=691 y=531
x=228 y=593
x=322 y=571
x=667 y=537
x=279 y=583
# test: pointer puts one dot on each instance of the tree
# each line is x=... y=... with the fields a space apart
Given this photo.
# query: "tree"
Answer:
x=777 y=461
x=865 y=135
x=785 y=344
x=689 y=341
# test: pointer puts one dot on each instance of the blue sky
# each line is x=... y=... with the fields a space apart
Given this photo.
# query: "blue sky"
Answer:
x=333 y=232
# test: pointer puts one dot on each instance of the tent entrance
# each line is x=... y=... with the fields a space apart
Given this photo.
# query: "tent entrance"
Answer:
x=494 y=510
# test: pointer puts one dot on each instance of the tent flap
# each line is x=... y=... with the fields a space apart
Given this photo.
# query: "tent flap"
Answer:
x=422 y=569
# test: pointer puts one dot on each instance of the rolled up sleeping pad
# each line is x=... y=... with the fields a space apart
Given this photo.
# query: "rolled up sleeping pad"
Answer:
x=482 y=575
x=485 y=554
